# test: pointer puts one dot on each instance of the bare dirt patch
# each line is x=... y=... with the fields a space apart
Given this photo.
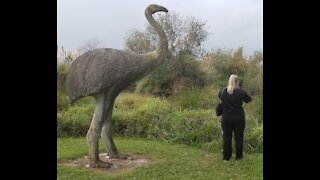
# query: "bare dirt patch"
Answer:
x=119 y=165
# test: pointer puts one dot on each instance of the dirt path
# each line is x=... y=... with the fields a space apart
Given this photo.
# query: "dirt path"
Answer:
x=120 y=165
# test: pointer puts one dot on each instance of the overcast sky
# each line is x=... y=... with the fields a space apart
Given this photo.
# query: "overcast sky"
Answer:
x=231 y=23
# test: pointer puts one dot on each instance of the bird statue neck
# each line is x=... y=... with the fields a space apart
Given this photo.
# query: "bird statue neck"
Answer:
x=161 y=50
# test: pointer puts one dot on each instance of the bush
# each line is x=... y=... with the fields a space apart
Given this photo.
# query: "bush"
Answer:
x=253 y=140
x=193 y=127
x=253 y=76
x=75 y=121
x=62 y=71
x=254 y=111
x=62 y=103
x=196 y=98
x=140 y=115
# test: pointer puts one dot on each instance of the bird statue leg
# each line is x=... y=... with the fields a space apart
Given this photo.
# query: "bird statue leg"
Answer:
x=106 y=135
x=94 y=131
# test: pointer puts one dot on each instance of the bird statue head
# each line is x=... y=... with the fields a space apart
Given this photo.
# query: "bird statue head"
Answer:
x=153 y=8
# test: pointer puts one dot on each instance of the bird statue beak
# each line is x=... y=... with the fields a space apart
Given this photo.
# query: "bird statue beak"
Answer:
x=163 y=9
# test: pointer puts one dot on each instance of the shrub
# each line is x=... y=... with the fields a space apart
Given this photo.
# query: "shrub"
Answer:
x=62 y=71
x=196 y=98
x=253 y=140
x=62 y=103
x=139 y=115
x=75 y=121
x=193 y=127
x=254 y=111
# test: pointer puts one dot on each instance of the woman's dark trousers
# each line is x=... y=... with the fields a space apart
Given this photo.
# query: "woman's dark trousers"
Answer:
x=238 y=131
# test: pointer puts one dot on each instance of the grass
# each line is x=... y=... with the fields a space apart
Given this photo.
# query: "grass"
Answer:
x=172 y=161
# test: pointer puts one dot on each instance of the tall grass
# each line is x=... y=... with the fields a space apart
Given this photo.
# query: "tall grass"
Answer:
x=62 y=103
x=62 y=71
x=75 y=121
x=196 y=98
x=254 y=111
x=153 y=118
x=140 y=115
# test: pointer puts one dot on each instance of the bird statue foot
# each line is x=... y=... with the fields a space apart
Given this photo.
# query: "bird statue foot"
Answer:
x=101 y=164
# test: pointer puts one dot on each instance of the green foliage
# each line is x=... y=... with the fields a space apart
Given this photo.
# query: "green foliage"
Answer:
x=187 y=72
x=75 y=121
x=175 y=120
x=253 y=77
x=253 y=141
x=220 y=64
x=62 y=103
x=193 y=127
x=254 y=110
x=62 y=71
x=196 y=98
x=154 y=118
x=218 y=67
x=181 y=72
x=158 y=82
x=137 y=115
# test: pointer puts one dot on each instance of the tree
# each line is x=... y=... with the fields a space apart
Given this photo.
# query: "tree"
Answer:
x=239 y=63
x=89 y=45
x=253 y=76
x=219 y=64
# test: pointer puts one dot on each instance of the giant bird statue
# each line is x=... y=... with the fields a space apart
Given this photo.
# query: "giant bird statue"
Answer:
x=103 y=74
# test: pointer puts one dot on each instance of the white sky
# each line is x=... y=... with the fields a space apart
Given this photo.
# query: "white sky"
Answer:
x=231 y=23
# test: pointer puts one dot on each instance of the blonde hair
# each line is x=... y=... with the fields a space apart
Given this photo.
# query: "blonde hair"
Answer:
x=233 y=83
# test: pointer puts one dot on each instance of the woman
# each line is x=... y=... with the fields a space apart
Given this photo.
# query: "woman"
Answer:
x=233 y=117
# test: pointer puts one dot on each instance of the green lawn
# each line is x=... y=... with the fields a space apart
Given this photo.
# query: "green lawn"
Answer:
x=172 y=161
